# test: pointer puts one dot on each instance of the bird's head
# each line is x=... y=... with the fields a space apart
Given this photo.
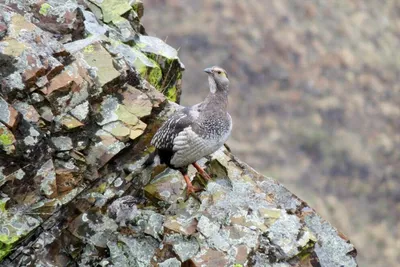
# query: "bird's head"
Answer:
x=217 y=78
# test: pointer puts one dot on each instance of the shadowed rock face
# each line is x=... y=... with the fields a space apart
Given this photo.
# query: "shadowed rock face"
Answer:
x=83 y=89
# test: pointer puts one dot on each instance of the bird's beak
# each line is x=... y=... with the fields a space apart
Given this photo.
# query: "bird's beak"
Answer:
x=208 y=70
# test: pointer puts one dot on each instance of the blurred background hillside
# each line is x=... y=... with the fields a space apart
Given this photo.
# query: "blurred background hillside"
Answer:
x=315 y=99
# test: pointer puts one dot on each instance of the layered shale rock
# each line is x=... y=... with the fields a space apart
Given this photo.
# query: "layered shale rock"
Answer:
x=83 y=89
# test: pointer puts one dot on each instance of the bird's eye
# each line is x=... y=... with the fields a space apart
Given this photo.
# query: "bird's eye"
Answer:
x=219 y=72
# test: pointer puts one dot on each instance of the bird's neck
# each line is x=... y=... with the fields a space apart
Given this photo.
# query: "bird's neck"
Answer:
x=217 y=99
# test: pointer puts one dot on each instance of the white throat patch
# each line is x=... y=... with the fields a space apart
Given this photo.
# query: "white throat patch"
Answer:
x=213 y=86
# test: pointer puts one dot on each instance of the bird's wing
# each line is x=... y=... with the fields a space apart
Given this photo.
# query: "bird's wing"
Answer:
x=188 y=146
x=164 y=137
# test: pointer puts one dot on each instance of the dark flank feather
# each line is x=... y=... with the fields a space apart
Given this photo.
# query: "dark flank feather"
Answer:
x=150 y=160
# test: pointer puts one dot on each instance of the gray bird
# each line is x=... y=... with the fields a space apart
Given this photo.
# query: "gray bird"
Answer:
x=197 y=131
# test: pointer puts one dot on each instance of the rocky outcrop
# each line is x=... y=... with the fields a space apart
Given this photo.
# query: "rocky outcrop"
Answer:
x=83 y=89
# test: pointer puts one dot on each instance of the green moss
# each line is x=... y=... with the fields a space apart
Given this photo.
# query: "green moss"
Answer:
x=140 y=45
x=171 y=94
x=237 y=265
x=147 y=68
x=3 y=205
x=89 y=49
x=44 y=9
x=306 y=250
x=155 y=76
x=7 y=244
x=102 y=188
x=6 y=138
x=159 y=68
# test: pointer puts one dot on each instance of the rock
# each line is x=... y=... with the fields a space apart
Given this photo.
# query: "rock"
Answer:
x=156 y=46
x=123 y=210
x=54 y=67
x=152 y=223
x=210 y=257
x=59 y=17
x=181 y=224
x=172 y=262
x=101 y=62
x=167 y=58
x=107 y=111
x=167 y=188
x=331 y=248
x=112 y=9
x=28 y=112
x=34 y=70
x=146 y=67
x=137 y=102
x=138 y=7
x=46 y=177
x=284 y=232
x=137 y=130
x=118 y=129
x=14 y=226
x=92 y=26
x=81 y=111
x=69 y=88
x=102 y=151
x=121 y=120
x=132 y=251
x=36 y=98
x=30 y=46
x=46 y=113
x=30 y=138
x=126 y=33
x=68 y=122
x=62 y=143
x=184 y=247
x=8 y=115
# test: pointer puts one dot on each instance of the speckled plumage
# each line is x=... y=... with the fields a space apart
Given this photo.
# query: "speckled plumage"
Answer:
x=197 y=131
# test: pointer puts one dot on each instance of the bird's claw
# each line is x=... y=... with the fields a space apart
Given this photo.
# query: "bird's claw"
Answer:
x=191 y=191
x=206 y=176
x=202 y=172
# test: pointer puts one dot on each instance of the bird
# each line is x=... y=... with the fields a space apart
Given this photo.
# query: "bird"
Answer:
x=197 y=131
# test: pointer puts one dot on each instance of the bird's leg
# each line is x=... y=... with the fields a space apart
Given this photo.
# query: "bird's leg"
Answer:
x=190 y=189
x=201 y=171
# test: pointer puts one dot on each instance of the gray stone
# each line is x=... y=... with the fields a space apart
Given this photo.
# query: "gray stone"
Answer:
x=62 y=143
x=331 y=249
x=184 y=247
x=81 y=111
x=37 y=98
x=284 y=233
x=123 y=210
x=172 y=262
x=46 y=113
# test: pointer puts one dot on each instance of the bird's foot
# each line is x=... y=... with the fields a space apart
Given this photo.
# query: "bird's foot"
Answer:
x=190 y=189
x=193 y=189
x=202 y=172
x=205 y=176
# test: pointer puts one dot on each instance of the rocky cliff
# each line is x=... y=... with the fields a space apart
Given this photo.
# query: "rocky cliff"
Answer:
x=83 y=89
